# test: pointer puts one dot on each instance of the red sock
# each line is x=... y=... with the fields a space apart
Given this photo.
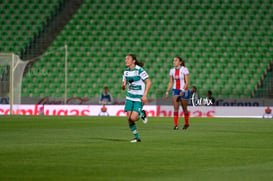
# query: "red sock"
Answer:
x=186 y=116
x=175 y=118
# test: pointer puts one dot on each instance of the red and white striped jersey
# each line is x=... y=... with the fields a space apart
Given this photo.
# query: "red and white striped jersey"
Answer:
x=179 y=77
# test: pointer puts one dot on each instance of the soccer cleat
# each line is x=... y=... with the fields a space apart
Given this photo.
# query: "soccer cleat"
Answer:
x=186 y=127
x=175 y=128
x=135 y=140
x=144 y=117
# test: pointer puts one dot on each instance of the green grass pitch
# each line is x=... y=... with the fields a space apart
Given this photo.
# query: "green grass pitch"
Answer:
x=98 y=148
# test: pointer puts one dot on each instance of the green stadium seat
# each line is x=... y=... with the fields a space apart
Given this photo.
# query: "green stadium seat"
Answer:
x=217 y=48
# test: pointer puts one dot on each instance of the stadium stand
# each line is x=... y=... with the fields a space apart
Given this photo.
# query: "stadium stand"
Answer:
x=227 y=45
x=20 y=20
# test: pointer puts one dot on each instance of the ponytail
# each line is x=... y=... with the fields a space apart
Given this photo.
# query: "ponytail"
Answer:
x=139 y=63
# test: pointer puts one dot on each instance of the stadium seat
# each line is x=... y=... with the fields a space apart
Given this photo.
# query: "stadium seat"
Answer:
x=217 y=42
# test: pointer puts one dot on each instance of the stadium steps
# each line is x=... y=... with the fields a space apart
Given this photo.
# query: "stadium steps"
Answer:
x=265 y=88
x=50 y=29
x=19 y=20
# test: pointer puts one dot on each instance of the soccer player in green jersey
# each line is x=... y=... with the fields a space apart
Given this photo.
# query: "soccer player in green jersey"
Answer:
x=136 y=78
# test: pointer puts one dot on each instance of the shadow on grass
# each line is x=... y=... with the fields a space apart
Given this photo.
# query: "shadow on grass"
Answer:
x=109 y=139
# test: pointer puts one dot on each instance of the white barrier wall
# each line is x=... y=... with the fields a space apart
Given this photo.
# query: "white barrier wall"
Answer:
x=117 y=110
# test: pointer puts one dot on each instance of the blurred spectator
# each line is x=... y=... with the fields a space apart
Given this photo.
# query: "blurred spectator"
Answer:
x=4 y=81
x=5 y=74
x=194 y=99
x=105 y=97
x=210 y=100
x=267 y=113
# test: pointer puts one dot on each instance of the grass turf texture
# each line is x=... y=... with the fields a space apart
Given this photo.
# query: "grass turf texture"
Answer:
x=98 y=148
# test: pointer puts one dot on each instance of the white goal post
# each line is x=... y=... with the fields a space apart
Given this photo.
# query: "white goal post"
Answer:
x=11 y=74
x=12 y=70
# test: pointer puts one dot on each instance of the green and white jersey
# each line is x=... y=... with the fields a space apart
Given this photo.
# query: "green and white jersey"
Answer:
x=135 y=79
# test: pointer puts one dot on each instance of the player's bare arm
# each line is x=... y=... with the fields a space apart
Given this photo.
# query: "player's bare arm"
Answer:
x=169 y=87
x=147 y=88
x=123 y=85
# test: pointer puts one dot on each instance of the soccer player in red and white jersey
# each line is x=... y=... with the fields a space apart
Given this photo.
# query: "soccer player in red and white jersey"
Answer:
x=179 y=82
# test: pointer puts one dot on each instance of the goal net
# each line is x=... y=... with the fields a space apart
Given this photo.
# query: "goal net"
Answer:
x=11 y=73
x=28 y=82
x=46 y=78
